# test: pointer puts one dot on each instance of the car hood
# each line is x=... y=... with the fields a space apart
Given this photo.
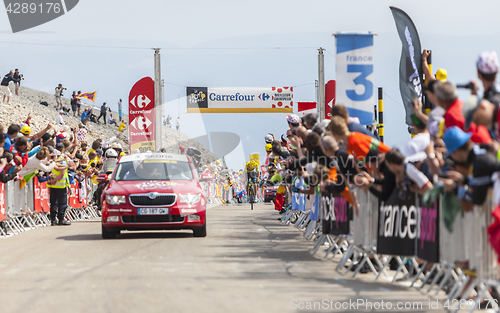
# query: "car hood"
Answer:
x=132 y=187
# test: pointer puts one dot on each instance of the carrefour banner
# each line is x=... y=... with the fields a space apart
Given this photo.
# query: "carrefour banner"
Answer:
x=354 y=70
x=239 y=99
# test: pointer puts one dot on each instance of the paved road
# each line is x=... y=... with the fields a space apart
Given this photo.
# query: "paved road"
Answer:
x=247 y=263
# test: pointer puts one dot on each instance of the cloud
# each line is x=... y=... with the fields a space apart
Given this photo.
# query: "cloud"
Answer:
x=146 y=63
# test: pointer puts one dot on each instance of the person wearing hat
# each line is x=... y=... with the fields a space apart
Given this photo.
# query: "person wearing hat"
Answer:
x=487 y=67
x=59 y=119
x=293 y=120
x=26 y=131
x=269 y=149
x=465 y=157
x=58 y=188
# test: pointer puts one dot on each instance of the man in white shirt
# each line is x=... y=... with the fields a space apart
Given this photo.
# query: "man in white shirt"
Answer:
x=59 y=119
x=420 y=141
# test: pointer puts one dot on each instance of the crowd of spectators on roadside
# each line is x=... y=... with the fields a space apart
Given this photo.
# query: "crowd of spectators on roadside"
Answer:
x=453 y=151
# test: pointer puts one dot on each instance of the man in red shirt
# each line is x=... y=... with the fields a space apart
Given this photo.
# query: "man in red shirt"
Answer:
x=447 y=98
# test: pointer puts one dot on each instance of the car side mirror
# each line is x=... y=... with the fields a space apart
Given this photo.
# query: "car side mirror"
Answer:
x=102 y=178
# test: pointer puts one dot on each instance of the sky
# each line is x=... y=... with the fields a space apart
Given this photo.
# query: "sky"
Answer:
x=106 y=46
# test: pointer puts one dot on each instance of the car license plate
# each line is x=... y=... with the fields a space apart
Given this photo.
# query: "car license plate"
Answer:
x=152 y=211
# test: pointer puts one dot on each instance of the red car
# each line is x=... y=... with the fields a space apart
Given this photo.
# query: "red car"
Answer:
x=270 y=193
x=152 y=191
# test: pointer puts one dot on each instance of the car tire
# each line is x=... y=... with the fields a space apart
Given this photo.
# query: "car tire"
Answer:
x=107 y=234
x=200 y=231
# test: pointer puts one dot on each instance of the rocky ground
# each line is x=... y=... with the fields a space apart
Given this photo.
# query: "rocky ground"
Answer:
x=29 y=100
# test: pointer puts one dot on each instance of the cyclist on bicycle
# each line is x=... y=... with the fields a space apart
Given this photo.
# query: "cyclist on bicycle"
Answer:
x=252 y=174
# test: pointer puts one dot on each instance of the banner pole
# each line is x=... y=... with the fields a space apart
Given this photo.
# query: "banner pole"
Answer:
x=321 y=84
x=427 y=103
x=380 y=114
x=158 y=101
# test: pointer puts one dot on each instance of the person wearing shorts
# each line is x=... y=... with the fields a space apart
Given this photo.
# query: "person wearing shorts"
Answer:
x=4 y=86
x=58 y=94
x=120 y=112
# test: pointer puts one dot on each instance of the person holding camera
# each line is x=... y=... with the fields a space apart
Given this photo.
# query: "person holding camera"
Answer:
x=4 y=86
x=19 y=76
x=58 y=94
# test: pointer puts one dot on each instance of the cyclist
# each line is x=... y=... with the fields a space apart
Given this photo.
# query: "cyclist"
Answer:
x=252 y=174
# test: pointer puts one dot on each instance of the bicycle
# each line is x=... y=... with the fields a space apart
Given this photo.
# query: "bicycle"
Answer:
x=251 y=195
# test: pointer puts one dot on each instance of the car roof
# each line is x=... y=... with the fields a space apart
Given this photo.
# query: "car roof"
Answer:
x=153 y=156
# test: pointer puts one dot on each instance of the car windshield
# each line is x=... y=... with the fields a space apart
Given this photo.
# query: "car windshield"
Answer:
x=154 y=170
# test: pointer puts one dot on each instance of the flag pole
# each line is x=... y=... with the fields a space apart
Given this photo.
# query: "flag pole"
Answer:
x=380 y=114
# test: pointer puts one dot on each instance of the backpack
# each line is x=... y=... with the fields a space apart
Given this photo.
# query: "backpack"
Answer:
x=44 y=103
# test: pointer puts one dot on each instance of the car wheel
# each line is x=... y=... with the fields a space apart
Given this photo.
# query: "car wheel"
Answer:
x=106 y=234
x=200 y=231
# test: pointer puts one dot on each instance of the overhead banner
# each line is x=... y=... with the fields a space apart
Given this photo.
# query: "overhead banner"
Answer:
x=354 y=70
x=239 y=99
x=410 y=65
x=304 y=108
x=142 y=116
x=330 y=88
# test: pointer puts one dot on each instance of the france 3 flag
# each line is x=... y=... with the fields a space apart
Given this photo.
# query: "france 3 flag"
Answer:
x=354 y=70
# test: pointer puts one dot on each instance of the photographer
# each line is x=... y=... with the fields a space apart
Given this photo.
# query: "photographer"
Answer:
x=58 y=94
x=18 y=76
x=4 y=86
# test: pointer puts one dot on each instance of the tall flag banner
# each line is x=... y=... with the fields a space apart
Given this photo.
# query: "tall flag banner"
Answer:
x=239 y=99
x=354 y=70
x=329 y=98
x=141 y=116
x=87 y=95
x=410 y=65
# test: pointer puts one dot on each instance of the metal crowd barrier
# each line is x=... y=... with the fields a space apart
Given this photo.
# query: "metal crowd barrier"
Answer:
x=29 y=208
x=467 y=265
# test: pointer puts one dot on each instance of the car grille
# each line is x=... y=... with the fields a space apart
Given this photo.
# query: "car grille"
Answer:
x=153 y=218
x=160 y=200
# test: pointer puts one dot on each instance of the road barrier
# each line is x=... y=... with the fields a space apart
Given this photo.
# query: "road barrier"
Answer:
x=402 y=239
x=29 y=208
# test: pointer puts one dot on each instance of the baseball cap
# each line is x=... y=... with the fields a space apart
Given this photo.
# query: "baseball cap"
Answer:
x=26 y=130
x=293 y=118
x=99 y=151
x=454 y=138
x=61 y=112
x=269 y=147
x=487 y=62
x=442 y=74
x=268 y=138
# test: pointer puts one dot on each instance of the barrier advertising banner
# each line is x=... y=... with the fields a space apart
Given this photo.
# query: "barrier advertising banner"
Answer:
x=398 y=225
x=330 y=88
x=239 y=99
x=335 y=215
x=428 y=235
x=410 y=64
x=75 y=201
x=354 y=72
x=41 y=193
x=142 y=115
x=2 y=202
x=408 y=229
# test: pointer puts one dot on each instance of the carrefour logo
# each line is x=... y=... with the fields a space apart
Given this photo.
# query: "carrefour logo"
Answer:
x=28 y=14
x=264 y=96
x=235 y=97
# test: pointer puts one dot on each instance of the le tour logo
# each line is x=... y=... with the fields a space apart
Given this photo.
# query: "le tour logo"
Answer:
x=26 y=14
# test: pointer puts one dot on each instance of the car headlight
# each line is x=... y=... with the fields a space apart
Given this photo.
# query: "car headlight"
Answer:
x=190 y=198
x=114 y=199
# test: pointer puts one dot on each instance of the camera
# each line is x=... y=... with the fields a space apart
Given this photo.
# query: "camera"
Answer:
x=466 y=86
x=79 y=156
